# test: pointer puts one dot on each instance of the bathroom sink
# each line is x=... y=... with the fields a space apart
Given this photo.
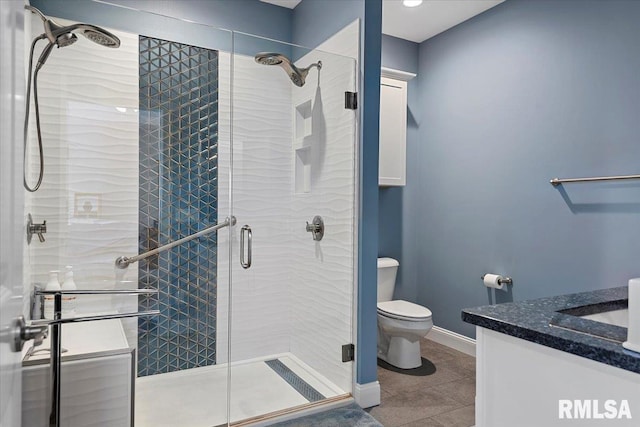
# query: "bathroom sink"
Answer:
x=608 y=320
x=618 y=317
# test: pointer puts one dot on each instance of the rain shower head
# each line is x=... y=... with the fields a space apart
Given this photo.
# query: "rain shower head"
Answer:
x=297 y=75
x=100 y=36
x=64 y=36
x=266 y=58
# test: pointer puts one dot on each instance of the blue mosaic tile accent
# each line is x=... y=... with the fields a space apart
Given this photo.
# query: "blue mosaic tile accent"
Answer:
x=178 y=196
x=300 y=385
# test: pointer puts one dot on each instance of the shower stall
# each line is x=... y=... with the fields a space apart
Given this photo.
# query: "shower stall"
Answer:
x=216 y=171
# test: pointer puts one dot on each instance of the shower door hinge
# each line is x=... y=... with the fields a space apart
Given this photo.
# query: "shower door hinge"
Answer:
x=351 y=100
x=348 y=352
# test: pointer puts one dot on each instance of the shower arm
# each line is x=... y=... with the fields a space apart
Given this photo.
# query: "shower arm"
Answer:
x=123 y=262
x=36 y=11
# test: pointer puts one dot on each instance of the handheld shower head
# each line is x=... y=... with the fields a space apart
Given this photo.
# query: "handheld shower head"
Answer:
x=44 y=55
x=66 y=39
x=297 y=75
x=60 y=36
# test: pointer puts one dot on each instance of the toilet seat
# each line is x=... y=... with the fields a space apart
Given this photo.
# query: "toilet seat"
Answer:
x=404 y=310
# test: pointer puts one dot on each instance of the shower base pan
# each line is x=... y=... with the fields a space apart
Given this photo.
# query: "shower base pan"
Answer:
x=259 y=387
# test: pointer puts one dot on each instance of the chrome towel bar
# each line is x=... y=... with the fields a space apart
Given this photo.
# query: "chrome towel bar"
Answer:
x=99 y=292
x=557 y=181
x=62 y=321
x=124 y=261
x=56 y=334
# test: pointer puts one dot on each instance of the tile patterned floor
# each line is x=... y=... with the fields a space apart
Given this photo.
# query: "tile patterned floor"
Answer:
x=445 y=397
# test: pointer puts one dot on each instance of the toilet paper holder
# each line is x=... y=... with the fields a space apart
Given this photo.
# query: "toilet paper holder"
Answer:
x=503 y=280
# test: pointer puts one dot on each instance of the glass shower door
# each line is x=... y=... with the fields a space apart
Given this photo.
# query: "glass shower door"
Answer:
x=161 y=138
x=293 y=195
x=132 y=138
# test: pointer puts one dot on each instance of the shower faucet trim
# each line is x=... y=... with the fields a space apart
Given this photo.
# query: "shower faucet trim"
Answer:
x=38 y=229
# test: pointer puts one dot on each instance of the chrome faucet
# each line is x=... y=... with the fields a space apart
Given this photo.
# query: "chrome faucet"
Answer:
x=38 y=339
x=316 y=228
x=33 y=228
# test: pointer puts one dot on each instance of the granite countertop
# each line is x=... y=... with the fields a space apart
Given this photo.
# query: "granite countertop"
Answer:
x=553 y=322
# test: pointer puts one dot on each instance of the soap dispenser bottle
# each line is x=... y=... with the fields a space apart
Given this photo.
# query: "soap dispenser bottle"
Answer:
x=69 y=302
x=52 y=285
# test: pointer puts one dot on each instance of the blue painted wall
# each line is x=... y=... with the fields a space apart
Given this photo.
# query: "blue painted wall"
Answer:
x=314 y=21
x=525 y=92
x=396 y=241
x=399 y=54
x=367 y=234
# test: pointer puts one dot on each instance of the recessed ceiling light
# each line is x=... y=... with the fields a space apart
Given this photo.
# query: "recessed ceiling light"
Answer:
x=411 y=3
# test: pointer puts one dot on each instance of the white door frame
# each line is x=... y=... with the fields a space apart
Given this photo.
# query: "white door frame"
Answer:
x=12 y=83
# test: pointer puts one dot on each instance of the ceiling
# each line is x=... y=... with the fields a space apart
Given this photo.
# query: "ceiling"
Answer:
x=291 y=4
x=430 y=18
x=419 y=23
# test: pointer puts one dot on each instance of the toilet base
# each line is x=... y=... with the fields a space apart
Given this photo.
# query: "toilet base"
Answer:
x=402 y=353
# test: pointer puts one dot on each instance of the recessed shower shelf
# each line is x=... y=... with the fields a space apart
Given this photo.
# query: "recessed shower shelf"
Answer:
x=303 y=120
x=303 y=170
x=302 y=142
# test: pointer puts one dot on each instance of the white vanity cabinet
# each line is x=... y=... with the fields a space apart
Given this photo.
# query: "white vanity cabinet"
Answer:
x=393 y=127
x=524 y=384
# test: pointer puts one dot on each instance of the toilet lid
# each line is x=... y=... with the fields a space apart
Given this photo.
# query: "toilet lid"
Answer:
x=400 y=309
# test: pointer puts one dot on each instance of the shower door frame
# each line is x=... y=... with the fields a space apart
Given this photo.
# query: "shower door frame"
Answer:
x=234 y=247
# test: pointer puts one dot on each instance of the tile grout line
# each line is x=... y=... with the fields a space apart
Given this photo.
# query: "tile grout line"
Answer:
x=454 y=362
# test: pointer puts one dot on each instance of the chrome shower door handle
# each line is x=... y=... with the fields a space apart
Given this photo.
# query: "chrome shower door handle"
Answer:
x=245 y=230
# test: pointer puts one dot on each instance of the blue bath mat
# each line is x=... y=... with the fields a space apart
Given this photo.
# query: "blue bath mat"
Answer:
x=347 y=416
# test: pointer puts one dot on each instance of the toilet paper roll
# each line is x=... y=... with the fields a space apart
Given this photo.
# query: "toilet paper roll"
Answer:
x=492 y=281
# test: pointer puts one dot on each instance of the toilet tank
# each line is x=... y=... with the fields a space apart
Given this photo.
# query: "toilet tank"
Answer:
x=387 y=270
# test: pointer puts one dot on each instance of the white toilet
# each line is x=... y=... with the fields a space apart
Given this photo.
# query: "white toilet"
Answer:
x=401 y=324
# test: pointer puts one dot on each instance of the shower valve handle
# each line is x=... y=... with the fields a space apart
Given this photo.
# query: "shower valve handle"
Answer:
x=33 y=228
x=40 y=229
x=316 y=228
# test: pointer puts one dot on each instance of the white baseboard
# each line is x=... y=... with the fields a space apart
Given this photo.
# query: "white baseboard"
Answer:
x=454 y=340
x=367 y=395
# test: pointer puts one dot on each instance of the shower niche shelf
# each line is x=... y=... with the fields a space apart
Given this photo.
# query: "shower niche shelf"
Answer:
x=303 y=140
x=303 y=170
x=303 y=120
